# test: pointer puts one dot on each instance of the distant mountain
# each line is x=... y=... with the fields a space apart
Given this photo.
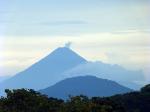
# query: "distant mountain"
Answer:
x=2 y=78
x=45 y=72
x=85 y=85
x=64 y=63
x=108 y=71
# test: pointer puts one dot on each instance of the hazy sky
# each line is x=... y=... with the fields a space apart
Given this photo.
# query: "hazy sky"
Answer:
x=112 y=31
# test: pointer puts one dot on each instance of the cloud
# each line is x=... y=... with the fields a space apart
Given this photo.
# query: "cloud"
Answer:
x=130 y=49
x=73 y=17
x=59 y=23
x=68 y=44
x=33 y=30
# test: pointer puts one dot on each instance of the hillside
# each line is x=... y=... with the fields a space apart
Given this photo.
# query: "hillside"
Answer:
x=26 y=100
x=86 y=85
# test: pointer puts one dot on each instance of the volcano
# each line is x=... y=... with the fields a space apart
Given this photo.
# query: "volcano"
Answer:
x=45 y=72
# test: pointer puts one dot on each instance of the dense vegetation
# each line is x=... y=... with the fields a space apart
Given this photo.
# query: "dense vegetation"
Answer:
x=28 y=100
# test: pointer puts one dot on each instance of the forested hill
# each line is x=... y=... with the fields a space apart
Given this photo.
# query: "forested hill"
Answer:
x=28 y=100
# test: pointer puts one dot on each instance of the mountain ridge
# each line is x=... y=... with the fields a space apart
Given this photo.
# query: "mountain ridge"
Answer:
x=46 y=71
x=56 y=66
x=85 y=85
x=113 y=72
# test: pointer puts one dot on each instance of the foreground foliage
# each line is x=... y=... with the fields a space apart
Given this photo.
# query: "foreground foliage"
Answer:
x=28 y=100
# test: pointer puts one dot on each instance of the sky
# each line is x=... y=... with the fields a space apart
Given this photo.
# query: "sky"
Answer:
x=112 y=31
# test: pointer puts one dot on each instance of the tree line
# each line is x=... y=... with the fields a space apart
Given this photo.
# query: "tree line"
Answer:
x=28 y=100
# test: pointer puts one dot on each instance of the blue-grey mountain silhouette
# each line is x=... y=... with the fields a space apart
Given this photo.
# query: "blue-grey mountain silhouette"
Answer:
x=45 y=72
x=84 y=85
x=113 y=72
x=64 y=63
x=2 y=78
